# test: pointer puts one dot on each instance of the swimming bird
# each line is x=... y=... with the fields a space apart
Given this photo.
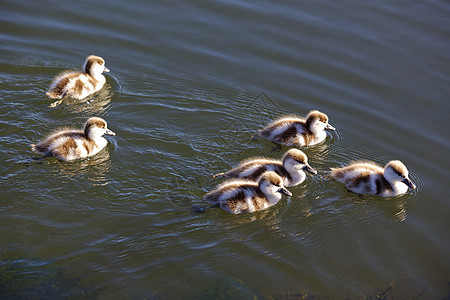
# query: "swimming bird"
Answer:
x=291 y=168
x=79 y=85
x=243 y=196
x=365 y=177
x=298 y=132
x=73 y=144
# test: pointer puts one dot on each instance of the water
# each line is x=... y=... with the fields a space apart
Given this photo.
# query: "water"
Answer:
x=190 y=83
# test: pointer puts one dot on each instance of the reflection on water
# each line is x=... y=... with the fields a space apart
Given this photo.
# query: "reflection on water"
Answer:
x=94 y=169
x=23 y=278
x=96 y=104
x=320 y=154
x=397 y=209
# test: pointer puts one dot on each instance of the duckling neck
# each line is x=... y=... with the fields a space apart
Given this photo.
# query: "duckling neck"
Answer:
x=98 y=76
x=390 y=187
x=272 y=197
x=295 y=172
x=398 y=188
x=317 y=132
x=94 y=136
x=297 y=175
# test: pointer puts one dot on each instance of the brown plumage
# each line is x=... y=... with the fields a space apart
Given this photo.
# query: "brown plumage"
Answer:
x=79 y=85
x=365 y=177
x=243 y=196
x=291 y=168
x=294 y=131
x=73 y=144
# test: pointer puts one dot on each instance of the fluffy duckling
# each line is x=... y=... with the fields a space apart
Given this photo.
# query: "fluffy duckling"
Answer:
x=77 y=84
x=297 y=132
x=242 y=196
x=291 y=168
x=370 y=178
x=73 y=144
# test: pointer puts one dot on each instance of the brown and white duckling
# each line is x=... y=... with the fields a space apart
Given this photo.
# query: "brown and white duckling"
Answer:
x=79 y=85
x=291 y=168
x=73 y=144
x=298 y=132
x=365 y=177
x=243 y=196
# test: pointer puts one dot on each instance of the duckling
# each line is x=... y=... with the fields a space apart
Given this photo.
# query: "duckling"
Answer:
x=244 y=196
x=365 y=177
x=297 y=132
x=73 y=144
x=77 y=84
x=291 y=168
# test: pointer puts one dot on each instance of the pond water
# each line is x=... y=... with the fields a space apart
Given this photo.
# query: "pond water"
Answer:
x=190 y=83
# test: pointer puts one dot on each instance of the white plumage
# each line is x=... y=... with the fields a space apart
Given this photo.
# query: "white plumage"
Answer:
x=73 y=144
x=364 y=177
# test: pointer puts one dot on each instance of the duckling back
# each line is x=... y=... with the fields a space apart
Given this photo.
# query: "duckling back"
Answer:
x=253 y=168
x=65 y=145
x=287 y=130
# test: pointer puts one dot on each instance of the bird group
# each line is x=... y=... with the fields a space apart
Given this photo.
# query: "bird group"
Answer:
x=69 y=144
x=256 y=183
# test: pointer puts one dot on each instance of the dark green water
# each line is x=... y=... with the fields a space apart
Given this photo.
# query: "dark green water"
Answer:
x=190 y=83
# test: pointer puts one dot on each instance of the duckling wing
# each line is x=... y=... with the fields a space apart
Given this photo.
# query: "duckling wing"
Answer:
x=354 y=171
x=61 y=84
x=251 y=170
x=223 y=191
x=55 y=140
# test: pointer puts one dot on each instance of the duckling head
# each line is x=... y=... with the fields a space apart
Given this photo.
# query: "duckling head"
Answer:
x=95 y=65
x=271 y=183
x=297 y=159
x=395 y=170
x=96 y=127
x=317 y=121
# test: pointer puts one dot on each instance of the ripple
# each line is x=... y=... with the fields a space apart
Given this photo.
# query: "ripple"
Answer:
x=422 y=183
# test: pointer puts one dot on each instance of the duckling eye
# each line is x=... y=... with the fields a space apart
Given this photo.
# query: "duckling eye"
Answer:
x=399 y=173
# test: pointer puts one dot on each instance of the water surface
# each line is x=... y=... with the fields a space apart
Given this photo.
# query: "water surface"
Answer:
x=190 y=83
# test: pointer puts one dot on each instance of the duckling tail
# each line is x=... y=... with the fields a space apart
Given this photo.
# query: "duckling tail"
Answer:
x=55 y=95
x=35 y=147
x=218 y=175
x=39 y=148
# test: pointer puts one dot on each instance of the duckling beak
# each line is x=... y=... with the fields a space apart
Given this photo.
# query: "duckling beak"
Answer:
x=409 y=183
x=309 y=169
x=105 y=69
x=110 y=132
x=329 y=127
x=283 y=190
